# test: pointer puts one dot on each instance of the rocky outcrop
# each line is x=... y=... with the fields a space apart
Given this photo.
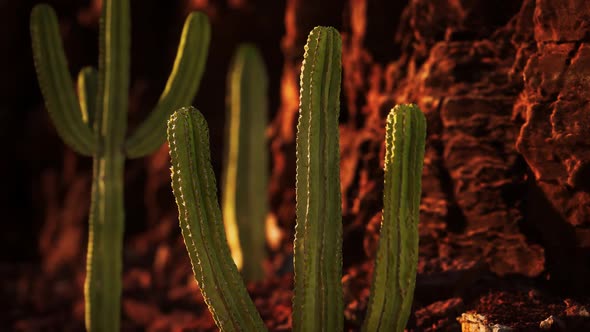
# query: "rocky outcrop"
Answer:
x=504 y=88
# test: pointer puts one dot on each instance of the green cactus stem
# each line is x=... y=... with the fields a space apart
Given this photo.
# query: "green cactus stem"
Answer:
x=245 y=174
x=193 y=184
x=104 y=263
x=394 y=278
x=318 y=303
x=96 y=126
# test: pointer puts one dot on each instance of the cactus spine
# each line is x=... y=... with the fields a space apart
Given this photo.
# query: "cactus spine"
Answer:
x=318 y=303
x=394 y=278
x=193 y=184
x=96 y=126
x=245 y=174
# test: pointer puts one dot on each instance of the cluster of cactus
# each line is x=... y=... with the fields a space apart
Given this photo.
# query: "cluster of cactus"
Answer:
x=318 y=302
x=96 y=125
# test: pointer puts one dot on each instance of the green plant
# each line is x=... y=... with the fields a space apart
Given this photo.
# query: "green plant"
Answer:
x=245 y=173
x=318 y=303
x=394 y=278
x=96 y=126
x=193 y=183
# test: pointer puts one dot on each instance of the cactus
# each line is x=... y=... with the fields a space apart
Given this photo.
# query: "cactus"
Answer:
x=392 y=289
x=317 y=302
x=245 y=173
x=96 y=126
x=193 y=184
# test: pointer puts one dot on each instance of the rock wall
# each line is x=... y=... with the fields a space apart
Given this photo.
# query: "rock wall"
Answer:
x=504 y=88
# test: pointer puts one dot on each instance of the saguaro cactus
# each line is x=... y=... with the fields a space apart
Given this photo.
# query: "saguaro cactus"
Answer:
x=96 y=126
x=318 y=303
x=193 y=183
x=394 y=278
x=245 y=173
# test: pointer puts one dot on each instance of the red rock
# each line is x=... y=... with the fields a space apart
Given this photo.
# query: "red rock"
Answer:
x=140 y=312
x=561 y=21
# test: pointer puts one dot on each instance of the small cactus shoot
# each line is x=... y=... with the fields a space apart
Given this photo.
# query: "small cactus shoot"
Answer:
x=245 y=173
x=96 y=125
x=193 y=184
x=318 y=303
x=394 y=279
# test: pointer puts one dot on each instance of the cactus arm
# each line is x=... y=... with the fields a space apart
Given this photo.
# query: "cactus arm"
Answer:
x=245 y=174
x=56 y=83
x=193 y=184
x=318 y=303
x=87 y=90
x=107 y=216
x=180 y=89
x=394 y=278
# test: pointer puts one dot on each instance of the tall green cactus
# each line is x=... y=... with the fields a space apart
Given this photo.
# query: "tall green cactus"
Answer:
x=96 y=126
x=394 y=278
x=193 y=183
x=317 y=302
x=245 y=173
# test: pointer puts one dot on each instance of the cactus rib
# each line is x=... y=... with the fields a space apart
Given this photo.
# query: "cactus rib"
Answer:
x=181 y=88
x=318 y=303
x=245 y=174
x=394 y=278
x=193 y=184
x=87 y=93
x=56 y=83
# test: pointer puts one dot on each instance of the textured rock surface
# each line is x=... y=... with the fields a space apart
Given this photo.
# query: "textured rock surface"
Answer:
x=505 y=90
x=502 y=101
